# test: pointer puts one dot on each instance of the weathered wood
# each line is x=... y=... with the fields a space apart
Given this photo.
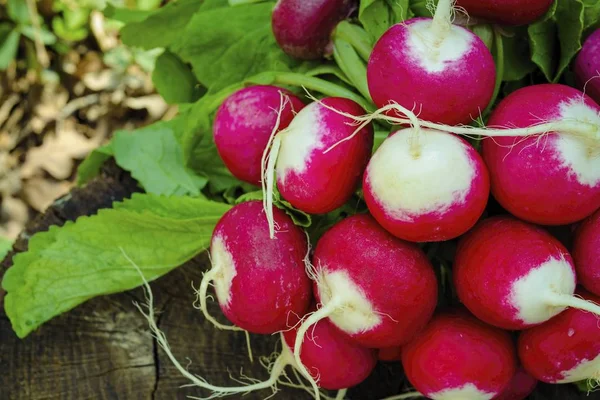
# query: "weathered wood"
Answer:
x=103 y=348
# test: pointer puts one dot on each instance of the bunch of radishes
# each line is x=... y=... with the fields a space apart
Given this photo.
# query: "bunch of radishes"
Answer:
x=368 y=289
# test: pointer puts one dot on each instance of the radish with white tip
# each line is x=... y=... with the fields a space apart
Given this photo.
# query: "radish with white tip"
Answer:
x=586 y=253
x=564 y=349
x=514 y=275
x=424 y=185
x=443 y=72
x=459 y=357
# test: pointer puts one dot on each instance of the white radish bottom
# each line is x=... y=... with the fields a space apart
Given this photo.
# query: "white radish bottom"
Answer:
x=468 y=391
x=586 y=369
x=534 y=294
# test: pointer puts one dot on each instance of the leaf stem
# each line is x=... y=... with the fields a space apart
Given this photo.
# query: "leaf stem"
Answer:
x=350 y=63
x=356 y=36
x=499 y=58
x=234 y=3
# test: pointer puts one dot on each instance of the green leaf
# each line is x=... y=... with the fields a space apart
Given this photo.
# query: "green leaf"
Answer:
x=126 y=15
x=45 y=35
x=5 y=246
x=90 y=167
x=591 y=14
x=226 y=45
x=556 y=39
x=67 y=266
x=485 y=33
x=8 y=49
x=162 y=27
x=18 y=12
x=517 y=62
x=173 y=80
x=59 y=27
x=377 y=16
x=155 y=158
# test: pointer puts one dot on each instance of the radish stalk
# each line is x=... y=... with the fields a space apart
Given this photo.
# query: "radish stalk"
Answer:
x=403 y=396
x=234 y=3
x=442 y=21
x=356 y=36
x=567 y=300
x=350 y=63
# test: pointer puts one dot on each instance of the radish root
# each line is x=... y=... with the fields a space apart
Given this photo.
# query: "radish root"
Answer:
x=268 y=161
x=409 y=395
x=567 y=300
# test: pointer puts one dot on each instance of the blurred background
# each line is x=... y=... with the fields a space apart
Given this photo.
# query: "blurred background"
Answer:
x=66 y=83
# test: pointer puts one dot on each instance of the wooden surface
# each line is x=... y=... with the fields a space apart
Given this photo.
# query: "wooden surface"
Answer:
x=103 y=348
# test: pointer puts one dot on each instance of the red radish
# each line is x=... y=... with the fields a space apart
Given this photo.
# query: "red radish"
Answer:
x=458 y=357
x=333 y=359
x=521 y=385
x=444 y=72
x=303 y=28
x=243 y=124
x=587 y=66
x=424 y=185
x=393 y=353
x=319 y=158
x=259 y=282
x=514 y=275
x=376 y=288
x=586 y=253
x=564 y=349
x=553 y=179
x=509 y=12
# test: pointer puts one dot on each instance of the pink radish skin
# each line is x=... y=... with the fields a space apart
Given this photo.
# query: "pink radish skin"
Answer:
x=508 y=12
x=514 y=275
x=587 y=66
x=434 y=191
x=458 y=357
x=303 y=28
x=311 y=177
x=550 y=180
x=447 y=78
x=243 y=124
x=382 y=289
x=586 y=253
x=521 y=385
x=333 y=359
x=393 y=353
x=259 y=282
x=565 y=349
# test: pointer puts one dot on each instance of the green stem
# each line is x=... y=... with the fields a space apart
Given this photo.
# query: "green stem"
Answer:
x=356 y=36
x=351 y=64
x=321 y=86
x=499 y=59
x=234 y=3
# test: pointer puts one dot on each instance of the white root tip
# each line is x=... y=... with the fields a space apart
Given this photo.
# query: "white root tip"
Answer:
x=573 y=301
x=201 y=296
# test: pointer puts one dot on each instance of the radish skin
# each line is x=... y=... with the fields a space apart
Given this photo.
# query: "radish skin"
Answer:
x=564 y=349
x=508 y=12
x=243 y=124
x=312 y=176
x=520 y=386
x=457 y=356
x=426 y=65
x=586 y=253
x=393 y=353
x=587 y=66
x=549 y=180
x=514 y=275
x=259 y=282
x=303 y=28
x=424 y=185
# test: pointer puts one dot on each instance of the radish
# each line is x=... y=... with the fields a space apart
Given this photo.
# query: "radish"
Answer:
x=259 y=283
x=320 y=157
x=243 y=124
x=564 y=349
x=442 y=71
x=393 y=353
x=549 y=180
x=514 y=275
x=520 y=386
x=333 y=359
x=587 y=66
x=586 y=253
x=458 y=357
x=509 y=12
x=424 y=185
x=376 y=288
x=303 y=28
